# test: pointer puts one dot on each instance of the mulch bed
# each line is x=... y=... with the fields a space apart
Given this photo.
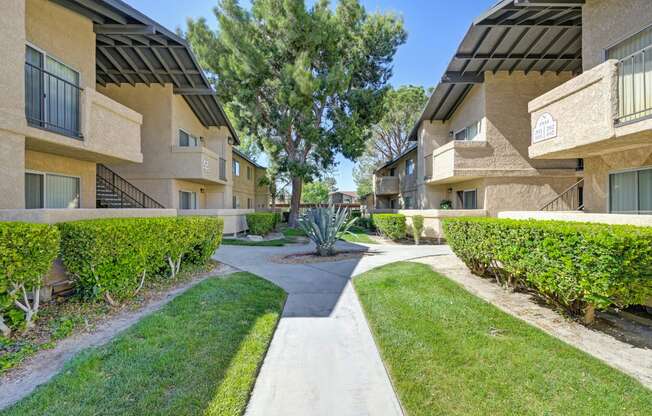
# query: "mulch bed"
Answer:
x=307 y=258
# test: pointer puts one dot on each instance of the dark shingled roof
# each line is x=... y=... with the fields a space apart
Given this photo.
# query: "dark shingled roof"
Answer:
x=131 y=48
x=513 y=35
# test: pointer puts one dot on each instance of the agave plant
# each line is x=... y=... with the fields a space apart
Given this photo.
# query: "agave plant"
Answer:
x=324 y=226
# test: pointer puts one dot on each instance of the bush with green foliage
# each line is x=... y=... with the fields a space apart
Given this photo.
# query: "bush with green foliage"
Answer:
x=417 y=228
x=580 y=266
x=261 y=223
x=391 y=226
x=26 y=255
x=111 y=258
x=446 y=204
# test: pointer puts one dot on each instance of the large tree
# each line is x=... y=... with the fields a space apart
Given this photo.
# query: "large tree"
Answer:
x=305 y=82
x=317 y=192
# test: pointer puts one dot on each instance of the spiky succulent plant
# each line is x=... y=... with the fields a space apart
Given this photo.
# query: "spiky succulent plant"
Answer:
x=324 y=226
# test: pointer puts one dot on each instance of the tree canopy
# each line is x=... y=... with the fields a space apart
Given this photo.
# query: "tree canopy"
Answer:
x=317 y=192
x=304 y=82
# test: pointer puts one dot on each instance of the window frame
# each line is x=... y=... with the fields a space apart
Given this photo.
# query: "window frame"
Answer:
x=195 y=200
x=464 y=192
x=638 y=199
x=478 y=124
x=235 y=168
x=196 y=138
x=44 y=174
x=407 y=163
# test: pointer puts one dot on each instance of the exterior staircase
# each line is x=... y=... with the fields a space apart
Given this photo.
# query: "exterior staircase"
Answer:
x=113 y=191
x=572 y=199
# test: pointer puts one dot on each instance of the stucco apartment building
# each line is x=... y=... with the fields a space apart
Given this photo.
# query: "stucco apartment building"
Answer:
x=343 y=197
x=474 y=133
x=103 y=107
x=395 y=182
x=248 y=190
x=604 y=115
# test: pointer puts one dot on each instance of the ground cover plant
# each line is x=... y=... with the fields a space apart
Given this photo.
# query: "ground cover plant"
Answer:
x=580 y=267
x=450 y=353
x=199 y=355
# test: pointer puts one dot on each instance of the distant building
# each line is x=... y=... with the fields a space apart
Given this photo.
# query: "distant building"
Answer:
x=343 y=197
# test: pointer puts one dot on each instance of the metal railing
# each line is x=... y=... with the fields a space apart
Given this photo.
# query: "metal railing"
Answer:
x=635 y=86
x=572 y=199
x=222 y=169
x=51 y=102
x=124 y=189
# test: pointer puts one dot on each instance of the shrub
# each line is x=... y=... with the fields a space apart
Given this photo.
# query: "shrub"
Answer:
x=26 y=255
x=417 y=228
x=261 y=223
x=391 y=226
x=324 y=226
x=446 y=204
x=111 y=258
x=579 y=266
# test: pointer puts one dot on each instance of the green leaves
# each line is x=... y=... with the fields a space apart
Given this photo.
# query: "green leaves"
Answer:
x=325 y=225
x=391 y=226
x=262 y=223
x=572 y=264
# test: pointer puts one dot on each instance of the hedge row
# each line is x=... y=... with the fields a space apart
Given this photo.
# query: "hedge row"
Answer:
x=26 y=255
x=391 y=226
x=579 y=266
x=111 y=258
x=262 y=223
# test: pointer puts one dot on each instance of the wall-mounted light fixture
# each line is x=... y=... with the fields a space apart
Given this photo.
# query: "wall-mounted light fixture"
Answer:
x=230 y=140
x=449 y=190
x=202 y=190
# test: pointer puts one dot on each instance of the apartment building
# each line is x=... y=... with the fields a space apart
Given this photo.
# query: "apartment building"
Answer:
x=343 y=197
x=474 y=134
x=395 y=182
x=248 y=190
x=104 y=108
x=604 y=114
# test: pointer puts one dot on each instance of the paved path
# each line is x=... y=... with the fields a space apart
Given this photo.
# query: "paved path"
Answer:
x=322 y=359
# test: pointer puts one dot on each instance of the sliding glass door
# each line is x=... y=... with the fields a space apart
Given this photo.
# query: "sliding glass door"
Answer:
x=46 y=190
x=631 y=192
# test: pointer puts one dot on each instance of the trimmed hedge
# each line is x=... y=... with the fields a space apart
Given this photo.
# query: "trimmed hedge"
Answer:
x=417 y=228
x=26 y=255
x=579 y=266
x=391 y=226
x=111 y=258
x=262 y=223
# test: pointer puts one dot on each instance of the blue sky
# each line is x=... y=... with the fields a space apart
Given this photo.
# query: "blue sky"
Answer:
x=435 y=28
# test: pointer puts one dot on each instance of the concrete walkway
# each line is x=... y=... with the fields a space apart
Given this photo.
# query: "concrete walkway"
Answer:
x=322 y=359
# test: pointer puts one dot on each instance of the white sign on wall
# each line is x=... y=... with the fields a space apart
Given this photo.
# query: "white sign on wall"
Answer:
x=204 y=165
x=545 y=128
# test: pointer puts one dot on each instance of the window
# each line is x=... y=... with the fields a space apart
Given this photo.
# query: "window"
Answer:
x=392 y=172
x=407 y=202
x=249 y=203
x=468 y=133
x=187 y=140
x=51 y=94
x=409 y=167
x=468 y=199
x=236 y=202
x=187 y=200
x=631 y=192
x=248 y=172
x=47 y=190
x=634 y=75
x=236 y=168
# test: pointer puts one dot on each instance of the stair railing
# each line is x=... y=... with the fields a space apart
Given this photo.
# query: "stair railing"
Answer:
x=124 y=189
x=572 y=199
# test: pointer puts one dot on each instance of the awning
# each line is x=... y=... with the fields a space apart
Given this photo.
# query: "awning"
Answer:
x=513 y=35
x=131 y=48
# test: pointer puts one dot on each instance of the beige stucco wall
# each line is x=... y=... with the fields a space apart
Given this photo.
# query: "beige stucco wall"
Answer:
x=607 y=22
x=432 y=218
x=49 y=163
x=245 y=188
x=403 y=186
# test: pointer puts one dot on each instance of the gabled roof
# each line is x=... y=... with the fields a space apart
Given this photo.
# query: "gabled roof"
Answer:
x=513 y=35
x=245 y=157
x=347 y=193
x=132 y=48
x=410 y=149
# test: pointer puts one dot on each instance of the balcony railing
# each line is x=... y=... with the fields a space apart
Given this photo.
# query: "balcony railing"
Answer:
x=51 y=102
x=222 y=169
x=635 y=86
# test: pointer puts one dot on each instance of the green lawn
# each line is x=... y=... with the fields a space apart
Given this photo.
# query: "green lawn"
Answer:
x=358 y=235
x=293 y=232
x=269 y=243
x=199 y=355
x=450 y=353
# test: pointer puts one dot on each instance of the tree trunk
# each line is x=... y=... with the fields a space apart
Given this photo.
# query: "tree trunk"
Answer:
x=295 y=201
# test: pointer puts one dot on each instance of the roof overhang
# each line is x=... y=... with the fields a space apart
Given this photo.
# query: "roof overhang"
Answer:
x=513 y=35
x=131 y=48
x=407 y=151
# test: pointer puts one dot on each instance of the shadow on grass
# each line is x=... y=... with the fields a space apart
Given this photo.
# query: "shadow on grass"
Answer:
x=198 y=355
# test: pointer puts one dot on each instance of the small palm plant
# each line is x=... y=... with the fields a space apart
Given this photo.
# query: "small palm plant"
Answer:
x=324 y=226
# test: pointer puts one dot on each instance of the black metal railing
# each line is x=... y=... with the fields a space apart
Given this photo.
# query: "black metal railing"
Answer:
x=223 y=169
x=572 y=199
x=51 y=102
x=635 y=86
x=129 y=194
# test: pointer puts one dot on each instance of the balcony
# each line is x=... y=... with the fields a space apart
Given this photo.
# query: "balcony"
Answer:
x=62 y=118
x=456 y=160
x=603 y=110
x=386 y=185
x=198 y=164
